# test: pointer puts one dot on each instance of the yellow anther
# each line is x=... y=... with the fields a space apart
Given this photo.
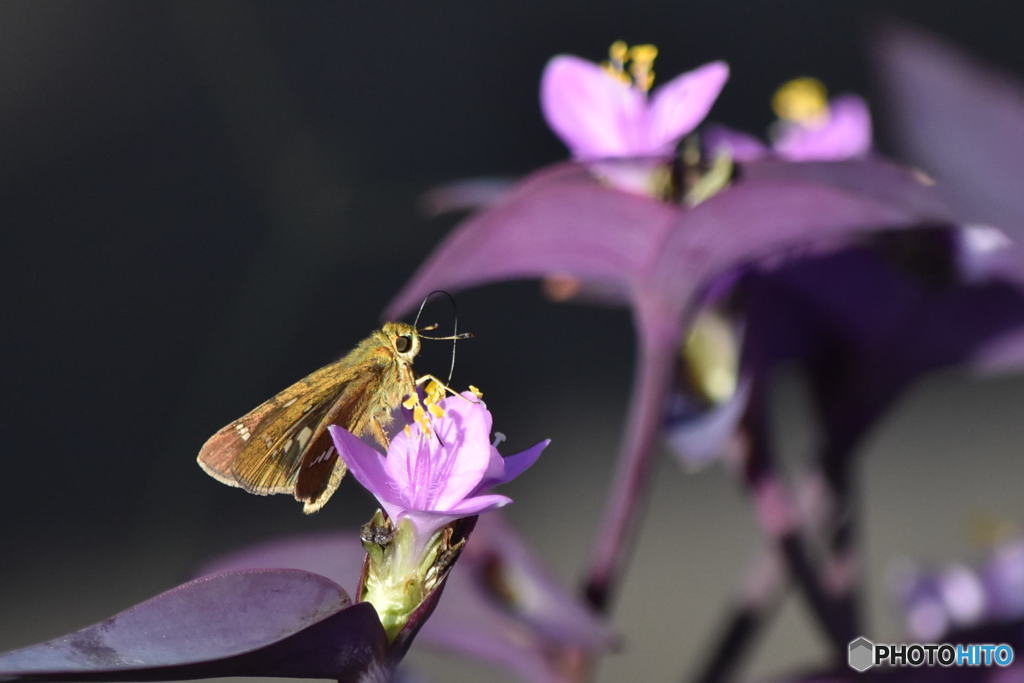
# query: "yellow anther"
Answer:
x=434 y=392
x=616 y=64
x=412 y=400
x=618 y=53
x=642 y=57
x=420 y=417
x=643 y=54
x=476 y=392
x=436 y=410
x=801 y=100
x=711 y=353
x=408 y=430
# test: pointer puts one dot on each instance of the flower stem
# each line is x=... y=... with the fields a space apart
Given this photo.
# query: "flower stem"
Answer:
x=762 y=593
x=778 y=516
x=617 y=534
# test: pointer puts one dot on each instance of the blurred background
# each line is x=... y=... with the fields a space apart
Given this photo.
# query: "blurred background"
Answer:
x=204 y=201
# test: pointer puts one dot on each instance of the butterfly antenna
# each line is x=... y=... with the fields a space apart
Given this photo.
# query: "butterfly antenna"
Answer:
x=455 y=337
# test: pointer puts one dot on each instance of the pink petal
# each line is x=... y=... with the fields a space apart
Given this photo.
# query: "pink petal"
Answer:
x=740 y=146
x=677 y=107
x=512 y=466
x=365 y=464
x=466 y=454
x=594 y=114
x=478 y=504
x=438 y=471
x=846 y=134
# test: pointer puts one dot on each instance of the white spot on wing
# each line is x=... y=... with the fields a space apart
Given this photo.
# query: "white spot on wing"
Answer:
x=323 y=457
x=243 y=431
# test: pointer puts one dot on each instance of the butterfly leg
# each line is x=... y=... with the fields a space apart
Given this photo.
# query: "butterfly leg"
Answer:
x=379 y=433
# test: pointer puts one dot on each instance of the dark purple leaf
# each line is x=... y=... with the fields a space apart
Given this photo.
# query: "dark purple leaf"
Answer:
x=500 y=605
x=244 y=623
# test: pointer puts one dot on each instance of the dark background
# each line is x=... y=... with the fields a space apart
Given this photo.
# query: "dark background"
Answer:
x=204 y=201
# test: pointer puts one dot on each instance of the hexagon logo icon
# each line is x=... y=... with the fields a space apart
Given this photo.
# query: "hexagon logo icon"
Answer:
x=861 y=654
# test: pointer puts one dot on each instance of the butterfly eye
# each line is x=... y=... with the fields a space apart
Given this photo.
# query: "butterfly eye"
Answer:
x=403 y=343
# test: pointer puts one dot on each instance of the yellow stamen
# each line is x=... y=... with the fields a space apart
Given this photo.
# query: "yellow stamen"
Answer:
x=411 y=401
x=801 y=100
x=420 y=416
x=616 y=64
x=436 y=410
x=434 y=392
x=476 y=392
x=642 y=58
x=618 y=52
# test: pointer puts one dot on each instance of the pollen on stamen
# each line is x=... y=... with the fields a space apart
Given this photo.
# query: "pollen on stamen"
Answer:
x=801 y=100
x=615 y=67
x=411 y=401
x=476 y=392
x=436 y=410
x=434 y=392
x=642 y=62
x=420 y=417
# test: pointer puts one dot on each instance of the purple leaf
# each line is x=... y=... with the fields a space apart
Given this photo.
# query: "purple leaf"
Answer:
x=960 y=120
x=663 y=256
x=244 y=623
x=556 y=221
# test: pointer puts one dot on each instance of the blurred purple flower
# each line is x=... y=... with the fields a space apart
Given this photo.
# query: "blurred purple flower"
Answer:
x=845 y=133
x=264 y=622
x=938 y=601
x=810 y=128
x=434 y=478
x=500 y=604
x=598 y=113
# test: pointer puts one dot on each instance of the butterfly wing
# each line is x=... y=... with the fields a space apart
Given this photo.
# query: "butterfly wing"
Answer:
x=261 y=451
x=321 y=470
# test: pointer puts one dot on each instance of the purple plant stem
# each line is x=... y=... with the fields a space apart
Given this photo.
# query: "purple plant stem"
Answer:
x=777 y=515
x=617 y=534
x=757 y=604
x=842 y=529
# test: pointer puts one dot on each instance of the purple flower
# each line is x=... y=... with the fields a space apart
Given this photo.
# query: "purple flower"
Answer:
x=434 y=478
x=938 y=601
x=601 y=112
x=810 y=127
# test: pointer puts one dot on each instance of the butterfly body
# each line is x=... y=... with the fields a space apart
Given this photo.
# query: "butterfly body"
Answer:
x=283 y=446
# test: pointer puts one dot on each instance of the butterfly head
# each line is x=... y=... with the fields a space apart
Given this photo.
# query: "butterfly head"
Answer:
x=404 y=339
